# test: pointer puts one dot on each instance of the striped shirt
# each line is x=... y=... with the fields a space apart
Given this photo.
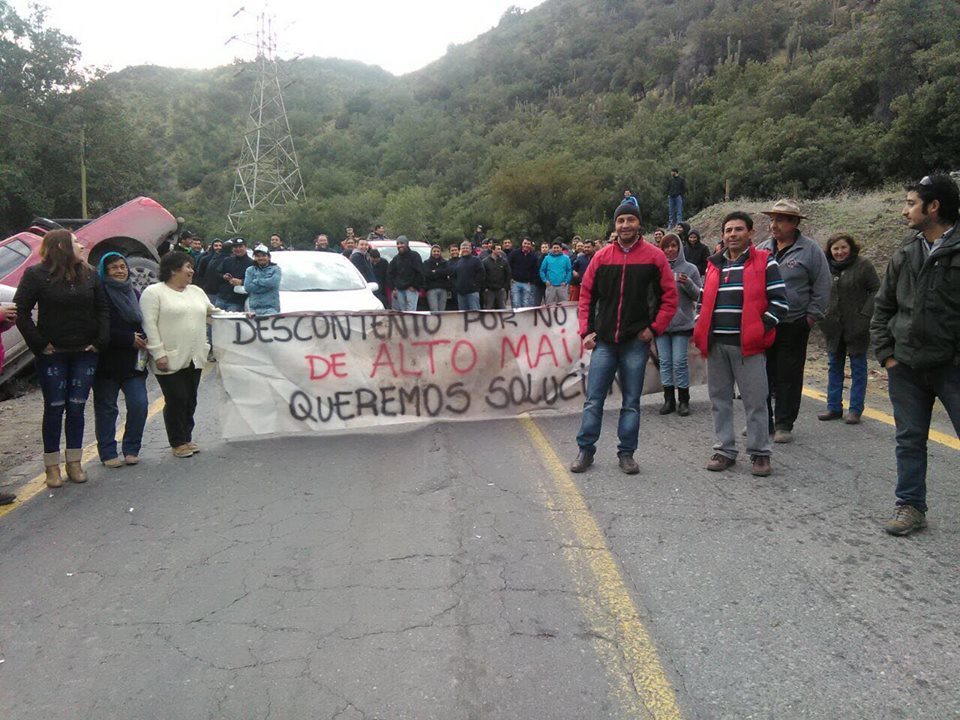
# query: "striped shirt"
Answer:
x=725 y=326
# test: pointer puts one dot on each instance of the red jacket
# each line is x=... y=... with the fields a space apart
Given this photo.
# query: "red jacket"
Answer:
x=624 y=293
x=754 y=335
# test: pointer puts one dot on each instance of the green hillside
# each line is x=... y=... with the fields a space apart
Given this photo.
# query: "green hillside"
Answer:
x=534 y=127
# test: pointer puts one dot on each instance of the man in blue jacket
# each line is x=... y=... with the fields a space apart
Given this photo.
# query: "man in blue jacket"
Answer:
x=555 y=271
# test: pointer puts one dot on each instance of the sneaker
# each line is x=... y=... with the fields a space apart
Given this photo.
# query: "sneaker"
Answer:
x=830 y=415
x=131 y=459
x=761 y=465
x=7 y=498
x=783 y=436
x=628 y=465
x=583 y=461
x=852 y=418
x=182 y=451
x=113 y=463
x=720 y=462
x=906 y=519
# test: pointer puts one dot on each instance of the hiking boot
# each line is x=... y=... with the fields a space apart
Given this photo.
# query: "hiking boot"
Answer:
x=51 y=464
x=830 y=415
x=906 y=519
x=783 y=436
x=852 y=418
x=583 y=461
x=628 y=465
x=761 y=465
x=683 y=402
x=182 y=451
x=669 y=400
x=720 y=462
x=75 y=472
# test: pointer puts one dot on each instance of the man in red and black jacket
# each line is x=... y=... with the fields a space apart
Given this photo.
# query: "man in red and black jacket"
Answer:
x=627 y=297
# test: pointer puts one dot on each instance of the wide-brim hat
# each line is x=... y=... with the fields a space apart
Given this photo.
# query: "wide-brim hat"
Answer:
x=785 y=207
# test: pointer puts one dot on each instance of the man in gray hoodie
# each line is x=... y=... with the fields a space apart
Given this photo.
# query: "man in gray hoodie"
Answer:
x=806 y=273
x=672 y=345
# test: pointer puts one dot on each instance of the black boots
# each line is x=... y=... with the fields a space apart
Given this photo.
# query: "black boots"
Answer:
x=669 y=400
x=683 y=403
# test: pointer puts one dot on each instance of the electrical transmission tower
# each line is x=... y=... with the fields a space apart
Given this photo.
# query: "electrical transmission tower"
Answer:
x=268 y=174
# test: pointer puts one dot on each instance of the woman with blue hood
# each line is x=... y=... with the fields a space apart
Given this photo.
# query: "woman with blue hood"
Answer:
x=262 y=283
x=672 y=345
x=122 y=367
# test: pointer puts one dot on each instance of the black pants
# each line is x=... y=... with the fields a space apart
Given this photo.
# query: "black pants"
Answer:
x=786 y=359
x=180 y=403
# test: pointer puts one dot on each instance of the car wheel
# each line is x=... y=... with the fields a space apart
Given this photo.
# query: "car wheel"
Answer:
x=143 y=272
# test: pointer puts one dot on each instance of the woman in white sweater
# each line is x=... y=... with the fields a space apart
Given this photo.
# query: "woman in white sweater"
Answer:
x=175 y=321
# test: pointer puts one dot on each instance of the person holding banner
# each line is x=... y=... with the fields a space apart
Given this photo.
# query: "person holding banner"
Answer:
x=628 y=297
x=175 y=320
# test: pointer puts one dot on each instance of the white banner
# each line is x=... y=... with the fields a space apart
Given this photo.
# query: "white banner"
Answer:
x=343 y=372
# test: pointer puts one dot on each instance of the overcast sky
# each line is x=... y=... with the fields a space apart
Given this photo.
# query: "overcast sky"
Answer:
x=398 y=36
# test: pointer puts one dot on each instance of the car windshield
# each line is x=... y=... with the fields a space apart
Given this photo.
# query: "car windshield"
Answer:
x=317 y=272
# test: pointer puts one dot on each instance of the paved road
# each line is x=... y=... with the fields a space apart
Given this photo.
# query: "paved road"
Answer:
x=457 y=572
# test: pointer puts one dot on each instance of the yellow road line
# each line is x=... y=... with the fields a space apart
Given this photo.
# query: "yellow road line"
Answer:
x=38 y=484
x=623 y=643
x=935 y=435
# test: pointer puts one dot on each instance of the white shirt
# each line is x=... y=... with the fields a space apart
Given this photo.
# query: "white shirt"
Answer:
x=176 y=326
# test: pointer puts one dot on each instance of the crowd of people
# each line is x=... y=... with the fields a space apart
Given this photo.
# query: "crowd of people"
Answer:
x=748 y=308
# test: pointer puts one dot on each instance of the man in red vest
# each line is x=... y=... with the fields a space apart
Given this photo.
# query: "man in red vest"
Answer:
x=742 y=302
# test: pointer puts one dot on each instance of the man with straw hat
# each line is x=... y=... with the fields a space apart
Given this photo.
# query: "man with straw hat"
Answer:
x=806 y=274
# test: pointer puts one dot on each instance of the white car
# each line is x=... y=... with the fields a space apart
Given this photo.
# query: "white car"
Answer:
x=319 y=281
x=15 y=350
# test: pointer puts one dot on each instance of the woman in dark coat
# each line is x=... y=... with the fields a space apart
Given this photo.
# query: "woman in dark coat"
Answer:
x=846 y=325
x=122 y=367
x=73 y=324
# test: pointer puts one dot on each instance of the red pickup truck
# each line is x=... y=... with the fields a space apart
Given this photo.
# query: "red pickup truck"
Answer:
x=142 y=229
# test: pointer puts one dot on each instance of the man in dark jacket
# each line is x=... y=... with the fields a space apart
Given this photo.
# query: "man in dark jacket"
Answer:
x=437 y=280
x=380 y=267
x=525 y=270
x=405 y=276
x=232 y=270
x=496 y=272
x=916 y=336
x=627 y=297
x=696 y=252
x=676 y=189
x=467 y=278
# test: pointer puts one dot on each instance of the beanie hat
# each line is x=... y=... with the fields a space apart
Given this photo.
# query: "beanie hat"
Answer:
x=627 y=209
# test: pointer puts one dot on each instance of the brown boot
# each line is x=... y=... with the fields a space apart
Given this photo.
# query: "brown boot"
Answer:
x=75 y=471
x=51 y=463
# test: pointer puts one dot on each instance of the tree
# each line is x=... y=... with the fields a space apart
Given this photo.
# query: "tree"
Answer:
x=542 y=195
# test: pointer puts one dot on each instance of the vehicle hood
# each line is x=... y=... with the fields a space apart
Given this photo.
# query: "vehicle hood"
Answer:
x=334 y=300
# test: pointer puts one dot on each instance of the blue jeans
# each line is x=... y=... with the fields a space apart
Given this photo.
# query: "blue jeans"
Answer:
x=630 y=360
x=470 y=301
x=672 y=349
x=858 y=380
x=405 y=300
x=65 y=379
x=437 y=299
x=912 y=393
x=105 y=393
x=521 y=294
x=675 y=210
x=229 y=306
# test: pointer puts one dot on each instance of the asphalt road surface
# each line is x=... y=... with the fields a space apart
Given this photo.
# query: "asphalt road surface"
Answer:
x=459 y=571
